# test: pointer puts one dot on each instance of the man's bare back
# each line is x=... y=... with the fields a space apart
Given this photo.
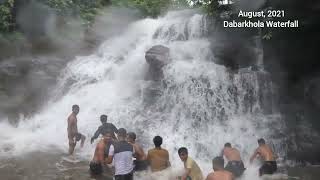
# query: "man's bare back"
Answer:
x=231 y=154
x=266 y=153
x=99 y=153
x=140 y=155
x=220 y=175
x=269 y=165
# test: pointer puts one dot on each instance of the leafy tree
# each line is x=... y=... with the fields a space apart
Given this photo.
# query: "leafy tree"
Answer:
x=209 y=6
x=6 y=15
x=151 y=8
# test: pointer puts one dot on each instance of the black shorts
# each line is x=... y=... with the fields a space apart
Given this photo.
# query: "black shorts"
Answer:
x=124 y=177
x=268 y=167
x=96 y=168
x=78 y=136
x=140 y=165
x=235 y=167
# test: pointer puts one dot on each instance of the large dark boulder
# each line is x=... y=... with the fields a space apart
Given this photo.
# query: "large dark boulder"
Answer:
x=157 y=57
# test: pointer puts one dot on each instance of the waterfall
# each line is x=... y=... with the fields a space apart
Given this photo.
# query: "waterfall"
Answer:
x=201 y=105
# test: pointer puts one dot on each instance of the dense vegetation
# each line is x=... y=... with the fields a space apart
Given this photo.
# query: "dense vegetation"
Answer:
x=86 y=10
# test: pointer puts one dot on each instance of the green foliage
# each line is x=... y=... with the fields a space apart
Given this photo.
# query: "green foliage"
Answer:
x=209 y=6
x=85 y=9
x=267 y=36
x=12 y=36
x=151 y=8
x=6 y=15
x=180 y=4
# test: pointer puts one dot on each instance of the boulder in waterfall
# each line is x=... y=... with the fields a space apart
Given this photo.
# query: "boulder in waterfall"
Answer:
x=157 y=56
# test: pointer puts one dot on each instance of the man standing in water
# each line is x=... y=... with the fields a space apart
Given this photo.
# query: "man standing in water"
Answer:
x=270 y=165
x=121 y=152
x=73 y=134
x=158 y=157
x=219 y=172
x=235 y=164
x=192 y=170
x=98 y=161
x=140 y=163
x=105 y=127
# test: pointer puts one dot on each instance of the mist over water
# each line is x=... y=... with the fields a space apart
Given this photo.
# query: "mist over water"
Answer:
x=202 y=105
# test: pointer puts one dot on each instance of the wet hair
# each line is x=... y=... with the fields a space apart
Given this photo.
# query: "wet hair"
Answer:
x=122 y=132
x=261 y=141
x=218 y=161
x=183 y=150
x=227 y=145
x=74 y=107
x=103 y=118
x=132 y=135
x=157 y=140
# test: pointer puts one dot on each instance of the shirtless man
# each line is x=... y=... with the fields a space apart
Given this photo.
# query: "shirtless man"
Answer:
x=219 y=173
x=235 y=164
x=73 y=134
x=158 y=157
x=265 y=152
x=140 y=163
x=98 y=160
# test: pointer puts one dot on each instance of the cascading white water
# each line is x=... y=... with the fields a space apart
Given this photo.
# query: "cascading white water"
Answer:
x=202 y=106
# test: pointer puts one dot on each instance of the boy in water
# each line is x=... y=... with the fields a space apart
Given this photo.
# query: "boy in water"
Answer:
x=192 y=169
x=73 y=134
x=219 y=172
x=235 y=164
x=270 y=165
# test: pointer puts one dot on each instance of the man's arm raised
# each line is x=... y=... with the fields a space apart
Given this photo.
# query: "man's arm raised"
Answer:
x=256 y=152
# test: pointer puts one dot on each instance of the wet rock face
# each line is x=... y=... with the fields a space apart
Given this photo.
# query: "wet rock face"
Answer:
x=156 y=57
x=231 y=51
x=25 y=83
x=292 y=59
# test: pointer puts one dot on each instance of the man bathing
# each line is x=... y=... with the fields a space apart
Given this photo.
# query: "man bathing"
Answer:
x=270 y=165
x=105 y=127
x=192 y=169
x=73 y=134
x=219 y=172
x=158 y=157
x=98 y=160
x=235 y=164
x=121 y=153
x=140 y=163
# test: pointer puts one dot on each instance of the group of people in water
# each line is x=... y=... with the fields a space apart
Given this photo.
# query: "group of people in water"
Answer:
x=119 y=147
